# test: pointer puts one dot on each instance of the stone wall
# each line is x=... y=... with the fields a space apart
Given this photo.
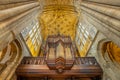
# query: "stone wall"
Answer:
x=15 y=15
x=104 y=15
x=13 y=20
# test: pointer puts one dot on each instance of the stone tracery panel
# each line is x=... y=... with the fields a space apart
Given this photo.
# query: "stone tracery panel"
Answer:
x=32 y=37
x=84 y=38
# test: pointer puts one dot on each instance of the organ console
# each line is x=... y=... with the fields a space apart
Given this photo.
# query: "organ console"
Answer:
x=59 y=62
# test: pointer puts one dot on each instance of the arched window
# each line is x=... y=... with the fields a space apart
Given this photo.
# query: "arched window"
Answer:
x=10 y=57
x=32 y=37
x=84 y=38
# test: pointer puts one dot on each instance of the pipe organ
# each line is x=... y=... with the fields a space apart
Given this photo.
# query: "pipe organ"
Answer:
x=59 y=62
x=60 y=53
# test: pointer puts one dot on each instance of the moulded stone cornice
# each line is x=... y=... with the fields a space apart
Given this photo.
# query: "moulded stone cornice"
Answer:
x=7 y=13
x=12 y=5
x=109 y=2
x=105 y=9
x=4 y=25
x=13 y=1
x=114 y=23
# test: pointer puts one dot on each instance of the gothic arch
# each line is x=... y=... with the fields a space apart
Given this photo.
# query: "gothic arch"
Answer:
x=105 y=60
x=12 y=57
x=106 y=50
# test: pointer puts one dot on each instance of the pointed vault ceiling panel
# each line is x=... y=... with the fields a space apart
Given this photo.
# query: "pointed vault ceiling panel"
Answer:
x=58 y=18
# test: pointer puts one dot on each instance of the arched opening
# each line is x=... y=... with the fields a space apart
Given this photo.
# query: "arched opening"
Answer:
x=112 y=51
x=32 y=38
x=9 y=59
x=109 y=58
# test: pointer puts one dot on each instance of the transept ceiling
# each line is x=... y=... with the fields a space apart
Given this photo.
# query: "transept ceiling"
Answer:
x=58 y=17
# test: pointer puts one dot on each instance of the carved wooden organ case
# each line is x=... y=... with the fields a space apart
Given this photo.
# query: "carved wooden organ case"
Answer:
x=59 y=53
x=59 y=62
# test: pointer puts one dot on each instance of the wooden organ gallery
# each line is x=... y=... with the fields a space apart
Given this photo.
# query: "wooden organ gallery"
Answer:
x=59 y=62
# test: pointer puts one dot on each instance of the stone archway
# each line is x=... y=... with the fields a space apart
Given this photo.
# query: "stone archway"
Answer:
x=12 y=57
x=109 y=52
x=109 y=64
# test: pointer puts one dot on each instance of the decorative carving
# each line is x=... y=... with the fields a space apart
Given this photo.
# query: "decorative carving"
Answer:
x=60 y=53
x=60 y=64
x=84 y=66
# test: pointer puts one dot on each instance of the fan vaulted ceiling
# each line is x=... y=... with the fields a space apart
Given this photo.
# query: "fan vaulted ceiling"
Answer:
x=58 y=17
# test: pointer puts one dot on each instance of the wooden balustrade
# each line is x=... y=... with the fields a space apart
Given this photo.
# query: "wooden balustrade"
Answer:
x=33 y=61
x=84 y=67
